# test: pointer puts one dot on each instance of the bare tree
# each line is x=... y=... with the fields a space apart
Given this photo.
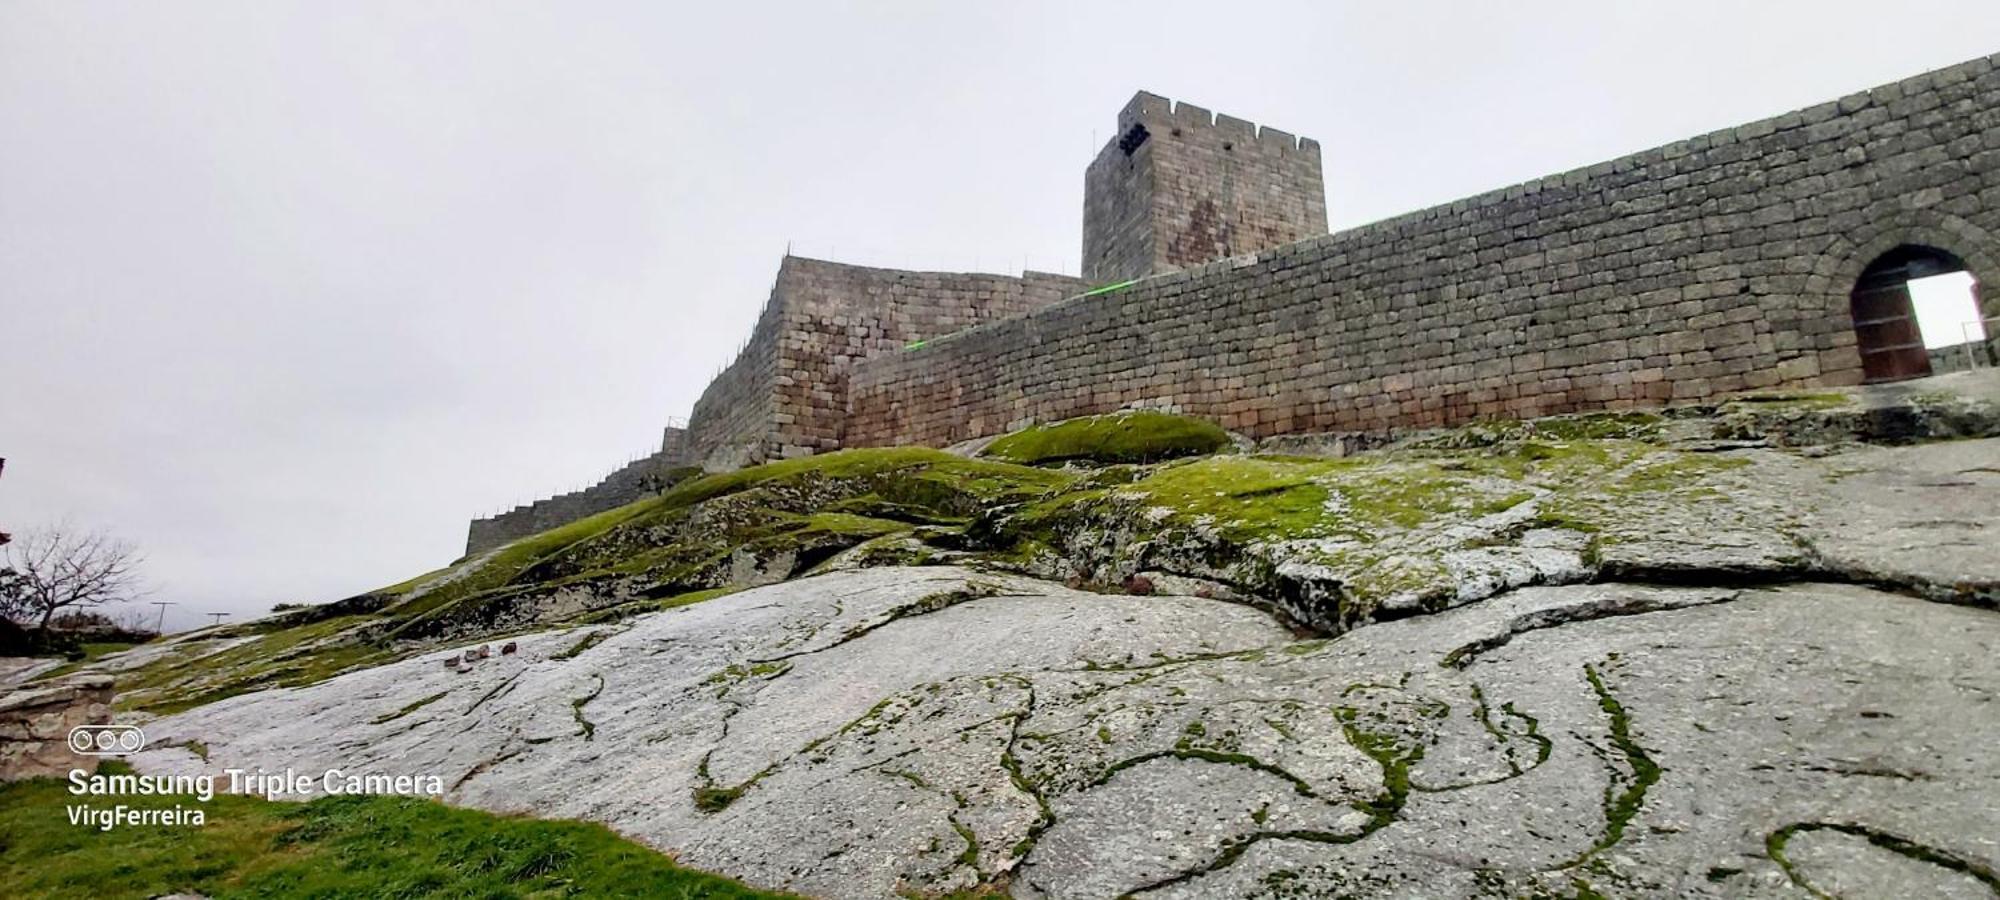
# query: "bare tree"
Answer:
x=58 y=569
x=13 y=599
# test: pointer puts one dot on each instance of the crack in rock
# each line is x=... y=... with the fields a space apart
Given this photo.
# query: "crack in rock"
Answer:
x=1632 y=603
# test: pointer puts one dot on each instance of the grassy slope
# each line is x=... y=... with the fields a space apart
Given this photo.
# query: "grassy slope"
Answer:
x=881 y=492
x=91 y=651
x=331 y=847
x=1125 y=437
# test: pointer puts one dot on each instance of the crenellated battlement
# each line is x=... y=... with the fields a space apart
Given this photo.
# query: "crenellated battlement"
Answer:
x=1156 y=112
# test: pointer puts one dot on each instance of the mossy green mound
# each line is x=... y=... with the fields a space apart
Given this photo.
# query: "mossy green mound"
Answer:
x=1360 y=498
x=1332 y=541
x=347 y=846
x=1137 y=436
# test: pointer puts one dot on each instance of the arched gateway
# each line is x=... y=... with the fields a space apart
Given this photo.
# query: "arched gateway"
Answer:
x=1885 y=319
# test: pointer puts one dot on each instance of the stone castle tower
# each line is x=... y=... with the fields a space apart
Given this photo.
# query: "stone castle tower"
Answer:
x=1178 y=186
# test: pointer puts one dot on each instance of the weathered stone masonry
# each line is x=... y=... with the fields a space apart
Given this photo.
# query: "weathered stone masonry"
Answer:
x=35 y=722
x=786 y=394
x=833 y=315
x=1710 y=265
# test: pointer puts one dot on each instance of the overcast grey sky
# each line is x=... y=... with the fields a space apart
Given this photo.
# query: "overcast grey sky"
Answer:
x=290 y=291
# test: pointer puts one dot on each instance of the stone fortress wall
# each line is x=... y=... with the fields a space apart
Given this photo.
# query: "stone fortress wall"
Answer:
x=630 y=482
x=832 y=315
x=1967 y=355
x=785 y=394
x=1716 y=264
x=1711 y=265
x=733 y=420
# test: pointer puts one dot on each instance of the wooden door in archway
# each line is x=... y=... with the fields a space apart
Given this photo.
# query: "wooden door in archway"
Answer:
x=1885 y=324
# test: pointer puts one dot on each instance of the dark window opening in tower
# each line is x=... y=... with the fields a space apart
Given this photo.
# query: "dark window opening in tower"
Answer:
x=1133 y=139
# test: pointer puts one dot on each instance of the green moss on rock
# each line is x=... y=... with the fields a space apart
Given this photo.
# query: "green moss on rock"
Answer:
x=695 y=541
x=1136 y=436
x=653 y=605
x=1628 y=425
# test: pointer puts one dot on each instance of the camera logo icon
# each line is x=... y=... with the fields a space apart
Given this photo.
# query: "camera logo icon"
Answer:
x=106 y=740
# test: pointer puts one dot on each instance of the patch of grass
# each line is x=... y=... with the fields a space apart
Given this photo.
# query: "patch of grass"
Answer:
x=849 y=524
x=1136 y=436
x=516 y=557
x=712 y=799
x=1819 y=400
x=91 y=651
x=411 y=707
x=1579 y=427
x=586 y=728
x=1774 y=847
x=589 y=640
x=1357 y=497
x=969 y=857
x=1680 y=472
x=974 y=474
x=1247 y=497
x=1549 y=462
x=1597 y=426
x=283 y=658
x=1622 y=802
x=738 y=672
x=1411 y=495
x=95 y=649
x=404 y=587
x=642 y=607
x=1390 y=750
x=656 y=553
x=348 y=846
